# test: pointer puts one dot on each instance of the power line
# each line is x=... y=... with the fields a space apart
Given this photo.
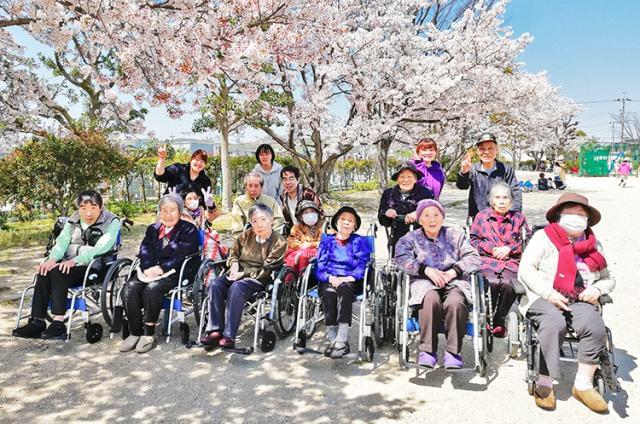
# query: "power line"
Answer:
x=605 y=101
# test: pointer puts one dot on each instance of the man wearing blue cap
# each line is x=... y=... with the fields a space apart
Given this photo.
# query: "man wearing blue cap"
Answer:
x=481 y=176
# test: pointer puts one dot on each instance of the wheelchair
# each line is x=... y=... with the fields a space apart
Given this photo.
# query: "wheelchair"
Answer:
x=387 y=289
x=272 y=310
x=86 y=297
x=309 y=310
x=177 y=303
x=605 y=376
x=476 y=329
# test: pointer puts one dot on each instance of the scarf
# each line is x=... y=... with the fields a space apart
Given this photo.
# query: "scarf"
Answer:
x=565 y=279
x=165 y=232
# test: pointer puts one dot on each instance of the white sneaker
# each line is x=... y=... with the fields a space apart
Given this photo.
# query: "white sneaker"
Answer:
x=129 y=343
x=145 y=344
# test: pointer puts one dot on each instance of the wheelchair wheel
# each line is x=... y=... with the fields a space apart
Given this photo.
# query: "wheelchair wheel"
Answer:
x=267 y=341
x=184 y=333
x=598 y=382
x=300 y=344
x=94 y=332
x=482 y=366
x=114 y=280
x=369 y=349
x=310 y=323
x=287 y=303
x=198 y=291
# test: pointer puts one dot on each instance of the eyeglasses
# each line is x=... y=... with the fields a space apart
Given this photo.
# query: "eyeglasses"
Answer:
x=292 y=179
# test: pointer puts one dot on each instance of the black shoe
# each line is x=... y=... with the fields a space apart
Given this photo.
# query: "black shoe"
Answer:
x=55 y=330
x=339 y=350
x=329 y=349
x=31 y=330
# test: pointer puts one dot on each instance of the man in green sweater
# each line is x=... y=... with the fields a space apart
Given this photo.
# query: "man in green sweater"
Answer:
x=90 y=232
x=253 y=185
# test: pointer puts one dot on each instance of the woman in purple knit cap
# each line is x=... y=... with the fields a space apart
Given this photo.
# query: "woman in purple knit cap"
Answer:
x=438 y=260
x=425 y=161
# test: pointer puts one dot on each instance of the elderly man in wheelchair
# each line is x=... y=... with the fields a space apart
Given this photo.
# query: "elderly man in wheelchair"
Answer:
x=565 y=275
x=91 y=232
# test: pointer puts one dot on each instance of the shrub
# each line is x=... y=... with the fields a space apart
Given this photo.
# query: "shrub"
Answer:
x=365 y=186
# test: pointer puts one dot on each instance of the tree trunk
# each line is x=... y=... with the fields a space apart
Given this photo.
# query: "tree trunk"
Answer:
x=383 y=159
x=226 y=169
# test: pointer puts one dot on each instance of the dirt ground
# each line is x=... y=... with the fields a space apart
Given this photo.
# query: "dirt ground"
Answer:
x=47 y=381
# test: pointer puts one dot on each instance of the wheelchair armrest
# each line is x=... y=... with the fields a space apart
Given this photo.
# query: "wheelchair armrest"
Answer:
x=604 y=299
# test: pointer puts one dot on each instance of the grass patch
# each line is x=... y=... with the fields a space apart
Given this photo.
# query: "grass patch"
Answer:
x=24 y=234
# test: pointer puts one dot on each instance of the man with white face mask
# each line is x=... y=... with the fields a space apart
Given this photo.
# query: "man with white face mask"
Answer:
x=293 y=193
x=565 y=273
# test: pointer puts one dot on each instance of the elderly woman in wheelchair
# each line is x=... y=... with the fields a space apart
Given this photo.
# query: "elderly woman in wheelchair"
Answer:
x=163 y=250
x=341 y=265
x=438 y=259
x=90 y=232
x=255 y=253
x=496 y=233
x=565 y=274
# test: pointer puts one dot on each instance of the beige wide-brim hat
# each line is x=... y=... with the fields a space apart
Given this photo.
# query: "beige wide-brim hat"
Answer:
x=553 y=214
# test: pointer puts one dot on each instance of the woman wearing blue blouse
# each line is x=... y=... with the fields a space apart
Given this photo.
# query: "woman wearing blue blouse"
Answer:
x=342 y=260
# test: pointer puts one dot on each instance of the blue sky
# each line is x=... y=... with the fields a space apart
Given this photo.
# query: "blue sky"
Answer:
x=591 y=50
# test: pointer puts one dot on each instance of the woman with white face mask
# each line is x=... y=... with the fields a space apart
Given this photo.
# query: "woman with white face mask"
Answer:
x=194 y=213
x=302 y=244
x=565 y=273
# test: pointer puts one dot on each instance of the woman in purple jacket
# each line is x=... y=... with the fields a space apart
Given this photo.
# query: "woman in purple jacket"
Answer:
x=342 y=261
x=425 y=161
x=165 y=246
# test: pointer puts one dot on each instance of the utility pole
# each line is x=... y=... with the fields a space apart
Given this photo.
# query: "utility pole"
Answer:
x=623 y=100
x=613 y=126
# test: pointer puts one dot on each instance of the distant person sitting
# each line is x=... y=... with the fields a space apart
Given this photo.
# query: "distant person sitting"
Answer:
x=559 y=183
x=543 y=183
x=253 y=185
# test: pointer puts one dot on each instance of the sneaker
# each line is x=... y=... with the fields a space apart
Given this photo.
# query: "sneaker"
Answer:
x=145 y=344
x=453 y=361
x=31 y=330
x=129 y=343
x=329 y=349
x=212 y=338
x=499 y=331
x=227 y=343
x=55 y=330
x=427 y=359
x=339 y=350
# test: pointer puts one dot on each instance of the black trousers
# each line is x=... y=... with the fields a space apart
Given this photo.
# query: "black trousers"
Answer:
x=54 y=286
x=503 y=293
x=137 y=296
x=337 y=302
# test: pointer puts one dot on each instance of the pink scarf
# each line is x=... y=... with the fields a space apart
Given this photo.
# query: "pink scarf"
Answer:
x=564 y=281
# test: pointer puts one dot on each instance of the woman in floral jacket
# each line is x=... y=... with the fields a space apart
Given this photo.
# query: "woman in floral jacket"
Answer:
x=438 y=260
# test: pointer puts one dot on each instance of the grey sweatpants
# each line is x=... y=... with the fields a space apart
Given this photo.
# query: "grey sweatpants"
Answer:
x=552 y=324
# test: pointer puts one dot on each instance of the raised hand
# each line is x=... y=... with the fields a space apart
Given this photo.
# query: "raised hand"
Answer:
x=162 y=152
x=208 y=197
x=466 y=163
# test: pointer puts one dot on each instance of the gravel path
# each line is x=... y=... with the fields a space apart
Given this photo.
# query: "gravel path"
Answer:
x=44 y=381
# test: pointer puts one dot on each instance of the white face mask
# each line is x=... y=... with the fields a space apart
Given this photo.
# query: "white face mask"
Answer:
x=573 y=223
x=310 y=218
x=193 y=205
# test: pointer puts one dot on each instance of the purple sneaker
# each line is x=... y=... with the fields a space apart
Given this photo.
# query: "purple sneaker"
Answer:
x=453 y=361
x=427 y=359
